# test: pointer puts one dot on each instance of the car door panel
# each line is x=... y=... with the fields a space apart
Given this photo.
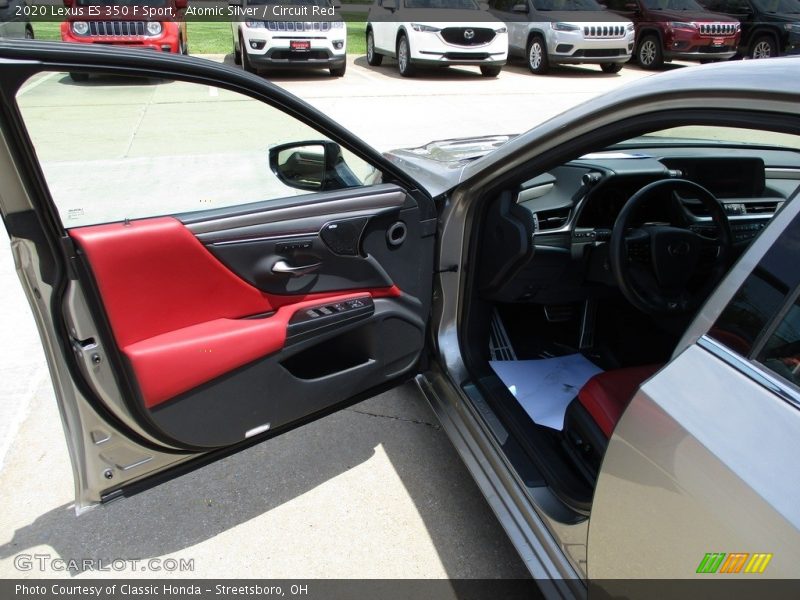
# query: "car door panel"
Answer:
x=218 y=345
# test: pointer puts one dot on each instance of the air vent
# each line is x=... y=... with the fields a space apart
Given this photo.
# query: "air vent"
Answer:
x=765 y=207
x=551 y=219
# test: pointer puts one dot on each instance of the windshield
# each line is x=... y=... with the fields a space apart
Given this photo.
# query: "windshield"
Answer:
x=290 y=2
x=566 y=5
x=122 y=2
x=449 y=4
x=672 y=5
x=785 y=7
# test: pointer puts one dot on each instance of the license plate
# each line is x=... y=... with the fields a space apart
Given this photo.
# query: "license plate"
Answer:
x=299 y=45
x=718 y=41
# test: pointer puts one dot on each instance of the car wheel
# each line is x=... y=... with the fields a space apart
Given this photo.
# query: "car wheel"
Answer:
x=649 y=53
x=28 y=33
x=246 y=64
x=491 y=70
x=338 y=71
x=79 y=77
x=611 y=67
x=763 y=47
x=373 y=58
x=404 y=57
x=537 y=56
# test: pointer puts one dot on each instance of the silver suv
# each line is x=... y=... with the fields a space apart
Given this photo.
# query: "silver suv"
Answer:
x=549 y=32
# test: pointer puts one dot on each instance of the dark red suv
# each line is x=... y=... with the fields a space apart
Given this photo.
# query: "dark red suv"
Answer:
x=677 y=29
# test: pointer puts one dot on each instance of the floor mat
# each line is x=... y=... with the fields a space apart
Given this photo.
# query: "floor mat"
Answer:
x=545 y=387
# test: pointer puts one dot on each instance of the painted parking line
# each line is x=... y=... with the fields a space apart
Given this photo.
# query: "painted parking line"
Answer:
x=35 y=83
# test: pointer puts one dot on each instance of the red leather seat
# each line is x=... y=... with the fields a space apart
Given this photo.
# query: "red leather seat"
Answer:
x=606 y=395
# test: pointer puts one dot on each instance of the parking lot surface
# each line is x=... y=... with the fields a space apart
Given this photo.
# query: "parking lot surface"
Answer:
x=375 y=490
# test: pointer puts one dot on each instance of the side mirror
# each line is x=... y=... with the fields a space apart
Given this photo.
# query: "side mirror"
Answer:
x=631 y=6
x=520 y=8
x=389 y=4
x=3 y=4
x=69 y=3
x=235 y=2
x=337 y=3
x=484 y=5
x=181 y=4
x=306 y=165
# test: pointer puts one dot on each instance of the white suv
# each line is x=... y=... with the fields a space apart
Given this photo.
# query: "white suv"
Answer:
x=436 y=33
x=316 y=39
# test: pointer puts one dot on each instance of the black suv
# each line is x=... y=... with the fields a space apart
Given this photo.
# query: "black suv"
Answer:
x=769 y=27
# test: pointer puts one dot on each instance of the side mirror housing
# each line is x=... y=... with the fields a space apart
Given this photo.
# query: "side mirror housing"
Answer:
x=4 y=4
x=235 y=2
x=181 y=4
x=306 y=165
x=69 y=3
x=389 y=4
x=337 y=3
x=520 y=8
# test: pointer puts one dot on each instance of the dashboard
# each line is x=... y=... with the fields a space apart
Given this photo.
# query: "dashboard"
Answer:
x=573 y=209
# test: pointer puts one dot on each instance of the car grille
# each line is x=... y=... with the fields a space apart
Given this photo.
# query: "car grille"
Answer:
x=467 y=36
x=466 y=55
x=600 y=52
x=604 y=31
x=717 y=28
x=116 y=28
x=298 y=25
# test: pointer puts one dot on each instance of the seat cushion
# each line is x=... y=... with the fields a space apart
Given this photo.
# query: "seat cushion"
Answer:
x=606 y=395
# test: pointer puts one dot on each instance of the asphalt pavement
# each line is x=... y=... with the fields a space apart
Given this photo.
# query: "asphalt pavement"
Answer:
x=375 y=490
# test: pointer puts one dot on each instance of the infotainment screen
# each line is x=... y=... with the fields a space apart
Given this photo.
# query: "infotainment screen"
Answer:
x=734 y=177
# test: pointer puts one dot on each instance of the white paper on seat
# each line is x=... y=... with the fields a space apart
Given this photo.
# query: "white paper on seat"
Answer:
x=546 y=386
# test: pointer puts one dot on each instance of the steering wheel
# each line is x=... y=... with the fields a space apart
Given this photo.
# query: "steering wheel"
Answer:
x=668 y=269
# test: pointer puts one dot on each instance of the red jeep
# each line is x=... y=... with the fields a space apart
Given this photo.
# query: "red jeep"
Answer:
x=151 y=24
x=678 y=29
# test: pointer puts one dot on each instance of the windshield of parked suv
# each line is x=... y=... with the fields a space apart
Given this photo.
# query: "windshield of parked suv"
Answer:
x=546 y=5
x=784 y=7
x=672 y=5
x=290 y=2
x=122 y=2
x=458 y=4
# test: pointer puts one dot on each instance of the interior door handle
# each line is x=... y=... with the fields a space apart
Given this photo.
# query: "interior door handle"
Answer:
x=286 y=269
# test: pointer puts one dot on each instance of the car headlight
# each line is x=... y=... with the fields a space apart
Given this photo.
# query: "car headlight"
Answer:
x=425 y=28
x=80 y=27
x=558 y=26
x=153 y=27
x=501 y=30
x=682 y=25
x=629 y=27
x=255 y=24
x=793 y=27
x=337 y=24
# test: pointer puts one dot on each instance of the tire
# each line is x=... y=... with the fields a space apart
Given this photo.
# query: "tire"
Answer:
x=611 y=67
x=246 y=64
x=338 y=71
x=536 y=56
x=79 y=77
x=373 y=58
x=649 y=54
x=762 y=47
x=491 y=70
x=404 y=57
x=237 y=55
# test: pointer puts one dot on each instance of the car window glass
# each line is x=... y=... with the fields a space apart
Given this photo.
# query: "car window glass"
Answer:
x=115 y=148
x=781 y=352
x=745 y=322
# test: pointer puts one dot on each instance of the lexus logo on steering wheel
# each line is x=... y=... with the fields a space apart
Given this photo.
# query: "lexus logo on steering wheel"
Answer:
x=469 y=34
x=679 y=249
